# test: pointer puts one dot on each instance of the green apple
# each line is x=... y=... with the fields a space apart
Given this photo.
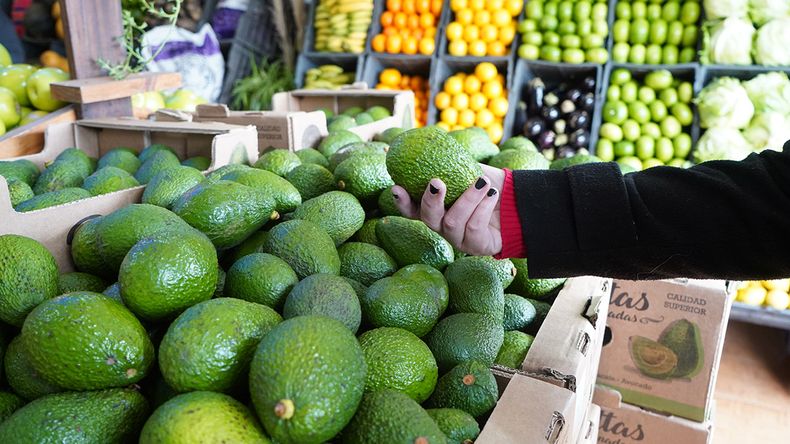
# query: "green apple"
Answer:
x=5 y=57
x=2 y=128
x=23 y=111
x=32 y=117
x=14 y=78
x=184 y=100
x=38 y=88
x=10 y=112
x=151 y=101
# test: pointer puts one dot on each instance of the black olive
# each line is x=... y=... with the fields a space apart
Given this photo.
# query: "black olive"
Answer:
x=534 y=126
x=550 y=113
x=589 y=83
x=573 y=94
x=546 y=139
x=560 y=126
x=536 y=90
x=587 y=102
x=520 y=116
x=579 y=119
x=579 y=138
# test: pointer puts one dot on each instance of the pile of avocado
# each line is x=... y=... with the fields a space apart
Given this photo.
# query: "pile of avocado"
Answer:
x=280 y=302
x=354 y=116
x=73 y=175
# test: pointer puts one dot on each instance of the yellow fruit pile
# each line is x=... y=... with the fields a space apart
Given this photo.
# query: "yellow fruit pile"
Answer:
x=482 y=27
x=342 y=25
x=475 y=99
x=391 y=78
x=772 y=294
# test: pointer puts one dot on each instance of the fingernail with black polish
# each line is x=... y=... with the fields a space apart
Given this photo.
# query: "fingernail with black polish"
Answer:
x=480 y=183
x=433 y=189
x=395 y=196
x=491 y=192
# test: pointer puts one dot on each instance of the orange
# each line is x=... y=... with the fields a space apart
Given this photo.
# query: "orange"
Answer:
x=495 y=132
x=461 y=101
x=379 y=43
x=460 y=75
x=386 y=18
x=388 y=31
x=486 y=71
x=457 y=48
x=457 y=5
x=405 y=33
x=501 y=17
x=416 y=85
x=427 y=46
x=471 y=33
x=418 y=33
x=394 y=5
x=413 y=21
x=477 y=5
x=477 y=101
x=455 y=31
x=442 y=100
x=383 y=86
x=394 y=44
x=472 y=84
x=423 y=6
x=410 y=45
x=492 y=89
x=436 y=7
x=390 y=76
x=449 y=116
x=465 y=16
x=507 y=34
x=477 y=48
x=430 y=33
x=514 y=7
x=404 y=82
x=443 y=126
x=498 y=106
x=466 y=118
x=493 y=5
x=454 y=85
x=484 y=118
x=427 y=20
x=500 y=78
x=489 y=33
x=496 y=48
x=482 y=18
x=409 y=7
x=401 y=20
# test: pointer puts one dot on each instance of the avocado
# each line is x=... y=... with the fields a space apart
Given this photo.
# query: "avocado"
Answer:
x=388 y=416
x=519 y=160
x=52 y=199
x=166 y=187
x=311 y=180
x=117 y=232
x=387 y=203
x=341 y=122
x=464 y=336
x=399 y=360
x=21 y=376
x=148 y=286
x=514 y=349
x=518 y=143
x=365 y=263
x=475 y=288
x=109 y=179
x=286 y=196
x=311 y=156
x=353 y=149
x=652 y=358
x=114 y=292
x=260 y=278
x=77 y=281
x=684 y=339
x=579 y=159
x=336 y=140
x=28 y=277
x=85 y=248
x=352 y=111
x=108 y=416
x=200 y=163
x=279 y=162
x=359 y=289
x=83 y=162
x=476 y=142
x=158 y=162
x=152 y=150
x=202 y=417
x=458 y=426
x=307 y=378
x=363 y=118
x=469 y=386
x=399 y=302
x=82 y=320
x=305 y=246
x=122 y=158
x=219 y=291
x=367 y=233
x=227 y=212
x=431 y=279
x=210 y=345
x=365 y=176
x=540 y=289
x=20 y=169
x=421 y=154
x=541 y=311
x=222 y=171
x=519 y=312
x=504 y=268
x=20 y=191
x=326 y=295
x=9 y=403
x=338 y=213
x=60 y=175
x=412 y=242
x=253 y=244
x=378 y=112
x=388 y=135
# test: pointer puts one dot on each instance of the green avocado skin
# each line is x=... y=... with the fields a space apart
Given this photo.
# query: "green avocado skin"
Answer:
x=465 y=336
x=305 y=246
x=459 y=427
x=339 y=213
x=412 y=242
x=475 y=288
x=469 y=386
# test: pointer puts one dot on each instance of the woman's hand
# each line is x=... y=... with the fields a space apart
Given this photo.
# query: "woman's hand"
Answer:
x=472 y=223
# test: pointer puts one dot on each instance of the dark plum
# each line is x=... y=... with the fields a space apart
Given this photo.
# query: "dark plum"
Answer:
x=589 y=84
x=579 y=119
x=579 y=138
x=564 y=151
x=573 y=94
x=550 y=113
x=536 y=89
x=546 y=139
x=587 y=102
x=534 y=126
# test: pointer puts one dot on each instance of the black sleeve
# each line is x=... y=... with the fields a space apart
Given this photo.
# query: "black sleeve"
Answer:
x=722 y=219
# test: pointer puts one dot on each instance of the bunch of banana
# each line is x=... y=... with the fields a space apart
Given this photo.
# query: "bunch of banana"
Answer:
x=342 y=25
x=327 y=77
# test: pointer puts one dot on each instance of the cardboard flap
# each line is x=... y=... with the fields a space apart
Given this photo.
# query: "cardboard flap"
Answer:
x=606 y=397
x=171 y=115
x=148 y=125
x=590 y=436
x=213 y=110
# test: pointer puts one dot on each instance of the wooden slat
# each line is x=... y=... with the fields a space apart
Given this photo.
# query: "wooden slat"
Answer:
x=100 y=89
x=29 y=139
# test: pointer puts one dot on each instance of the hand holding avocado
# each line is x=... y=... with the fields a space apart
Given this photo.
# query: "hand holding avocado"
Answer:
x=471 y=224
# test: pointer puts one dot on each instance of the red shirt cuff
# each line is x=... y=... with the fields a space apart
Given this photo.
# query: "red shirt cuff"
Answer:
x=510 y=224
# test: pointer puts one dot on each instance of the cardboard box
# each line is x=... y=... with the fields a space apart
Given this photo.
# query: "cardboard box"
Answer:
x=666 y=342
x=283 y=130
x=627 y=424
x=29 y=139
x=51 y=226
x=399 y=103
x=594 y=421
x=549 y=398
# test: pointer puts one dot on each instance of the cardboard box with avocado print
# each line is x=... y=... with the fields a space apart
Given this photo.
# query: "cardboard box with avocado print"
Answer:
x=666 y=342
x=622 y=423
x=548 y=400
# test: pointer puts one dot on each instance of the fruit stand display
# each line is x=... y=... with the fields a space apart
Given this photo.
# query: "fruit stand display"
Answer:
x=384 y=71
x=480 y=28
x=763 y=303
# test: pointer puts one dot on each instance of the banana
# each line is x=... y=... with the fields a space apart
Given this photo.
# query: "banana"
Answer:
x=330 y=69
x=359 y=36
x=355 y=7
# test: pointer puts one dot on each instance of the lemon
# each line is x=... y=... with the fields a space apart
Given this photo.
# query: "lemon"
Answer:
x=442 y=100
x=752 y=295
x=472 y=84
x=457 y=48
x=449 y=116
x=453 y=85
x=478 y=101
x=777 y=284
x=466 y=118
x=486 y=71
x=461 y=101
x=777 y=299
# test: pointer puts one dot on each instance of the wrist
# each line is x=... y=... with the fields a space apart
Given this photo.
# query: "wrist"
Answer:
x=510 y=224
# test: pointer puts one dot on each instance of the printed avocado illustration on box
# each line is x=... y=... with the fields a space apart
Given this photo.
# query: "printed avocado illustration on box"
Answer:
x=678 y=353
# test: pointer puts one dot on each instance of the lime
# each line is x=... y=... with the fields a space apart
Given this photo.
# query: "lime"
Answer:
x=551 y=39
x=622 y=10
x=653 y=54
x=612 y=132
x=565 y=10
x=683 y=113
x=573 y=55
x=639 y=111
x=593 y=41
x=653 y=12
x=629 y=91
x=584 y=28
x=525 y=26
x=658 y=111
x=605 y=150
x=670 y=55
x=620 y=30
x=529 y=52
x=639 y=31
x=631 y=161
x=687 y=55
x=624 y=148
x=637 y=54
x=631 y=130
x=651 y=129
x=645 y=147
x=551 y=53
x=670 y=11
x=597 y=55
x=670 y=127
x=571 y=41
x=678 y=163
x=646 y=95
x=685 y=92
x=600 y=27
x=620 y=76
x=549 y=23
x=682 y=145
x=665 y=151
x=638 y=10
x=689 y=13
x=620 y=52
x=689 y=35
x=668 y=96
x=674 y=33
x=600 y=11
x=534 y=9
x=532 y=38
x=615 y=111
x=581 y=11
x=650 y=163
x=659 y=79
x=613 y=92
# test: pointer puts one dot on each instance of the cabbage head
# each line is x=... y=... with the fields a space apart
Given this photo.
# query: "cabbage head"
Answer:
x=769 y=92
x=768 y=131
x=763 y=11
x=772 y=45
x=724 y=102
x=728 y=42
x=721 y=143
x=716 y=9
